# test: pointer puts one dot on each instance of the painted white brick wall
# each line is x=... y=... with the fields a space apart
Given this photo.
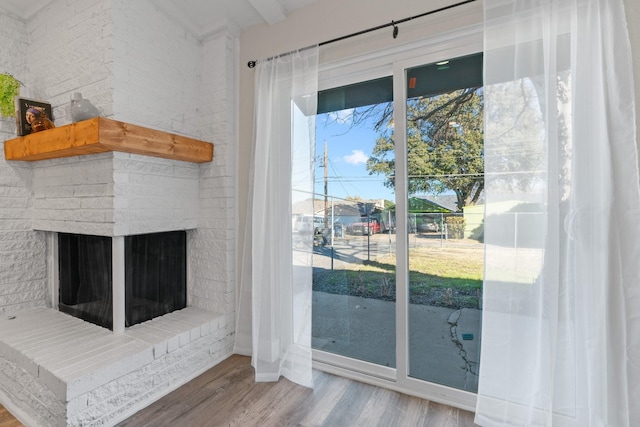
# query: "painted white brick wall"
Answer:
x=74 y=195
x=23 y=270
x=156 y=69
x=70 y=50
x=114 y=194
x=176 y=98
x=162 y=78
x=213 y=246
x=153 y=194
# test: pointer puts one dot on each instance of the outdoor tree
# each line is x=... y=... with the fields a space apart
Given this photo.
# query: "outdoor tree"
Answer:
x=445 y=141
x=445 y=146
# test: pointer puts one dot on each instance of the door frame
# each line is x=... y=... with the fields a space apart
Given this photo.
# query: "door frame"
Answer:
x=367 y=67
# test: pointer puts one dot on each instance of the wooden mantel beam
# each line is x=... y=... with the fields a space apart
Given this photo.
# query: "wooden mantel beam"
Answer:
x=100 y=135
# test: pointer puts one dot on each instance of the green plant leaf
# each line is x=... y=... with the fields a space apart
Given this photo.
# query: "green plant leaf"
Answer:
x=9 y=89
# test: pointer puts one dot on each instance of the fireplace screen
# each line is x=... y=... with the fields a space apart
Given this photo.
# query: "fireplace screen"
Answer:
x=85 y=278
x=155 y=276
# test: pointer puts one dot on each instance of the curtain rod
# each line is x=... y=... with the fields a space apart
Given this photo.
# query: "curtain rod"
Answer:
x=252 y=64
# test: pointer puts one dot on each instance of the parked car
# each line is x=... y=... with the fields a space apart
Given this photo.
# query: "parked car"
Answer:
x=426 y=227
x=307 y=224
x=364 y=228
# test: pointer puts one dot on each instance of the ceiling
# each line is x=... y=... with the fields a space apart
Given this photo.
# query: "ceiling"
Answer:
x=199 y=17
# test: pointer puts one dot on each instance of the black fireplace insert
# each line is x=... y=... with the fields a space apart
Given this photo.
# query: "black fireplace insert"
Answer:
x=155 y=276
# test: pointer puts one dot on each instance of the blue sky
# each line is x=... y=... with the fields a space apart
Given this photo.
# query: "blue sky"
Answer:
x=348 y=149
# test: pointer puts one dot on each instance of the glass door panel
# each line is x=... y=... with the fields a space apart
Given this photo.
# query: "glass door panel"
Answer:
x=445 y=180
x=354 y=225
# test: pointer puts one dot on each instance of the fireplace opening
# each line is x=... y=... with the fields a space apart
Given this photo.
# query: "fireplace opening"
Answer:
x=85 y=289
x=155 y=276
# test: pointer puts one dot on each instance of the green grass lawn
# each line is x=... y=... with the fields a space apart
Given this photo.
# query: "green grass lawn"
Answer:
x=449 y=276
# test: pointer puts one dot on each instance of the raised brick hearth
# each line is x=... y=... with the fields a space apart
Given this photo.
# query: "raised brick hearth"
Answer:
x=61 y=370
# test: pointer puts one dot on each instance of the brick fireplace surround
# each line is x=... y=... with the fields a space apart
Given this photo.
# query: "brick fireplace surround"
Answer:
x=61 y=370
x=115 y=180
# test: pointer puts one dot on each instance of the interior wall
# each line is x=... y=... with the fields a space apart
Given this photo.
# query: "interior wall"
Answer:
x=69 y=50
x=212 y=248
x=155 y=69
x=23 y=269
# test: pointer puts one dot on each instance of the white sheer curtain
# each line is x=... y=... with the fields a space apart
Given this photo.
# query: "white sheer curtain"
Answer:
x=274 y=300
x=561 y=319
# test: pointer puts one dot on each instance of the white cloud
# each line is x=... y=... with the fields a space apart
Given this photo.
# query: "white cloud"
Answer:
x=342 y=117
x=356 y=157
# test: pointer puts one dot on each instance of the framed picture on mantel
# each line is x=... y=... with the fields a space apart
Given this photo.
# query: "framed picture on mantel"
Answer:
x=29 y=110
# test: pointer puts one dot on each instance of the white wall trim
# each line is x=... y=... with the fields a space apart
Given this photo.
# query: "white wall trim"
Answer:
x=118 y=283
x=53 y=272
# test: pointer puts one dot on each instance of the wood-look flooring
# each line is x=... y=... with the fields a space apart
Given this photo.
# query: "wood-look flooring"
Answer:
x=8 y=420
x=227 y=395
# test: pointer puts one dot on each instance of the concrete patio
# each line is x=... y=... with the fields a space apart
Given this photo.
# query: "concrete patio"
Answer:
x=444 y=347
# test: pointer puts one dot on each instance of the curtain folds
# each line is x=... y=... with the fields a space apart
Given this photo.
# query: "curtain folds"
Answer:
x=561 y=319
x=274 y=301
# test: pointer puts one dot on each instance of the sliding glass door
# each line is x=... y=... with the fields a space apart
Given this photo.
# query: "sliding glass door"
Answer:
x=398 y=225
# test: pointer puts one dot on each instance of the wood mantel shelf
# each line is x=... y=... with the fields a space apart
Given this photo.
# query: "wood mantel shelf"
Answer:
x=101 y=135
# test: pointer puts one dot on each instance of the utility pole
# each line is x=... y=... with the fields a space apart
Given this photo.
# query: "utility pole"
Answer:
x=326 y=187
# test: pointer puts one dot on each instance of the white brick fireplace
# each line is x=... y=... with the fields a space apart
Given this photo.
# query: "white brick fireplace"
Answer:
x=59 y=370
x=114 y=195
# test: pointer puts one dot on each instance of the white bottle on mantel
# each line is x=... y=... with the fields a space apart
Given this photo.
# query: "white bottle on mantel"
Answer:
x=82 y=109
